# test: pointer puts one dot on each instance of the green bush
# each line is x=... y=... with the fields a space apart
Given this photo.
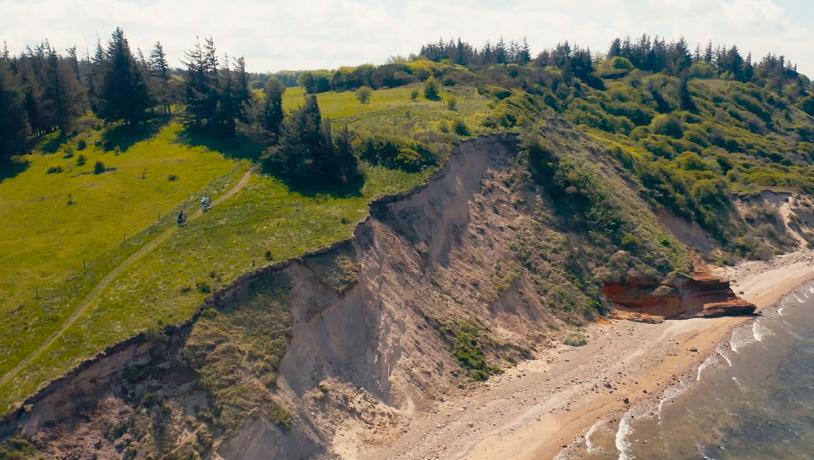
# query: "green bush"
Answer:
x=452 y=103
x=575 y=339
x=460 y=128
x=431 y=89
x=54 y=170
x=668 y=125
x=807 y=104
x=396 y=152
x=363 y=94
x=99 y=168
x=81 y=160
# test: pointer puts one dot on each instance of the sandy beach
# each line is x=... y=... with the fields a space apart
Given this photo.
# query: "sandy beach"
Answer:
x=539 y=407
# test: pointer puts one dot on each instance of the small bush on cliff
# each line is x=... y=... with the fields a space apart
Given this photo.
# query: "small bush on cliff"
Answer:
x=575 y=339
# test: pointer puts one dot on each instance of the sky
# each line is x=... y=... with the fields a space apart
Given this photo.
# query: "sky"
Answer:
x=308 y=34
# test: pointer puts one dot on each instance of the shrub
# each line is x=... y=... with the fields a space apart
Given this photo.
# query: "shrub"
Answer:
x=81 y=145
x=99 y=168
x=452 y=103
x=460 y=128
x=203 y=288
x=172 y=178
x=414 y=94
x=81 y=160
x=396 y=152
x=55 y=170
x=575 y=339
x=363 y=94
x=807 y=104
x=668 y=126
x=431 y=89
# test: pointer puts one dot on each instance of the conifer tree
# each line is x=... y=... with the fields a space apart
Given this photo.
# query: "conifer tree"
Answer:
x=305 y=153
x=64 y=91
x=160 y=71
x=14 y=127
x=271 y=118
x=124 y=93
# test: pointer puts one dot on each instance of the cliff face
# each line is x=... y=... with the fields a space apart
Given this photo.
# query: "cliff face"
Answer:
x=703 y=295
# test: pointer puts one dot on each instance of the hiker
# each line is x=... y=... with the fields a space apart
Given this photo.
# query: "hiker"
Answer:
x=182 y=219
x=206 y=203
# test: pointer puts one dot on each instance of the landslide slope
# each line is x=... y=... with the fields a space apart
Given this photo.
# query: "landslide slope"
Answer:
x=438 y=288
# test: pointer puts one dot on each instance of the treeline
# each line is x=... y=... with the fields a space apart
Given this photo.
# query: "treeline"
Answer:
x=350 y=78
x=652 y=54
x=45 y=91
x=462 y=53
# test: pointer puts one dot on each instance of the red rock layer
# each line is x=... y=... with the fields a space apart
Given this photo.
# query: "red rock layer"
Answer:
x=703 y=295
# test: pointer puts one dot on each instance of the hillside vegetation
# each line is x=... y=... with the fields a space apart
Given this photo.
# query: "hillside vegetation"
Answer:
x=86 y=190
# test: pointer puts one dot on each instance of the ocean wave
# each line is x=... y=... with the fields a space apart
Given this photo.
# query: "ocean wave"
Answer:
x=589 y=446
x=739 y=384
x=760 y=331
x=741 y=337
x=723 y=354
x=621 y=442
x=711 y=360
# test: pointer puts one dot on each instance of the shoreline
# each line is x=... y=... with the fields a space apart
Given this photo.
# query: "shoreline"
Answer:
x=544 y=407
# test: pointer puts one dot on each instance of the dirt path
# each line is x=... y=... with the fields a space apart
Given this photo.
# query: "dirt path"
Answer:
x=111 y=276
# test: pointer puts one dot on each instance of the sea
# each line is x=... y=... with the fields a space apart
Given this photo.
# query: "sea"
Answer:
x=753 y=398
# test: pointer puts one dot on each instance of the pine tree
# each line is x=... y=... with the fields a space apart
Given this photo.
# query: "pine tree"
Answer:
x=96 y=77
x=64 y=91
x=160 y=71
x=524 y=54
x=202 y=86
x=14 y=127
x=271 y=118
x=227 y=108
x=305 y=153
x=501 y=52
x=347 y=165
x=242 y=92
x=124 y=93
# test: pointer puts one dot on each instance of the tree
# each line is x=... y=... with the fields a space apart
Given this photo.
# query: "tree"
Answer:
x=124 y=94
x=201 y=92
x=363 y=94
x=305 y=153
x=271 y=118
x=413 y=94
x=431 y=90
x=524 y=53
x=685 y=97
x=14 y=127
x=64 y=91
x=242 y=93
x=160 y=71
x=346 y=163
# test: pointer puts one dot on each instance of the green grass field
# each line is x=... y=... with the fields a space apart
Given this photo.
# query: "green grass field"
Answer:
x=55 y=253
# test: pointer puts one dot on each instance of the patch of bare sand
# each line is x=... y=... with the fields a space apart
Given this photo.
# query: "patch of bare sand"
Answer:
x=535 y=409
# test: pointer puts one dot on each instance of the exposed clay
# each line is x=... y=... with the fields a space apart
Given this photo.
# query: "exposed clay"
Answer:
x=704 y=295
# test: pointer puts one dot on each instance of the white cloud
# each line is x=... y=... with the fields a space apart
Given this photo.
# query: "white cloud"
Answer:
x=290 y=34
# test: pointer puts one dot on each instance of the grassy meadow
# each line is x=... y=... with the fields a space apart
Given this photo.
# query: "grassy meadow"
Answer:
x=65 y=231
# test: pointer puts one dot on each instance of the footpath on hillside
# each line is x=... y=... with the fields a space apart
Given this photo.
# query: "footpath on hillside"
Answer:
x=94 y=294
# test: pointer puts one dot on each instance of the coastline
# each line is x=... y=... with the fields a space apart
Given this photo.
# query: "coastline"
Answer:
x=543 y=407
